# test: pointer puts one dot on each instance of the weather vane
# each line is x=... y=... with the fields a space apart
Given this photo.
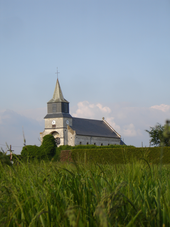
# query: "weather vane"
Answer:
x=57 y=72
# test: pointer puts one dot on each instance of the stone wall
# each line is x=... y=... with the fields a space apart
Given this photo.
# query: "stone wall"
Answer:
x=98 y=141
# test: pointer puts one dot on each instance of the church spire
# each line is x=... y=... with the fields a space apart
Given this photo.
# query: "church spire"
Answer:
x=58 y=95
x=58 y=106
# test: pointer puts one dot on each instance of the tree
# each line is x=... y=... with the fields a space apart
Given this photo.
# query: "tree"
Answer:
x=160 y=135
x=46 y=151
x=48 y=147
x=166 y=133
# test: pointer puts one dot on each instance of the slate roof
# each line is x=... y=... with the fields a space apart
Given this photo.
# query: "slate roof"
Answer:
x=122 y=143
x=91 y=127
x=58 y=115
x=58 y=95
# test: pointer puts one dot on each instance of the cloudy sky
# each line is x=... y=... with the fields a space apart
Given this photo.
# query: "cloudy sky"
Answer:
x=113 y=57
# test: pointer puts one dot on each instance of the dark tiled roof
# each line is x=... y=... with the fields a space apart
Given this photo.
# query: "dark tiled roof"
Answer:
x=92 y=128
x=121 y=142
x=58 y=115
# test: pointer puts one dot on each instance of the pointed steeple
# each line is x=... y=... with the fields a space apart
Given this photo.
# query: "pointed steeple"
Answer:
x=58 y=95
x=58 y=104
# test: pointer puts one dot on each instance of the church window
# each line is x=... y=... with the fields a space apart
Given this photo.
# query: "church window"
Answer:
x=57 y=140
x=87 y=143
x=80 y=143
x=101 y=144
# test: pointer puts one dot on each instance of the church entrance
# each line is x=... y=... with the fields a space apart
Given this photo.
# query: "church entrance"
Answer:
x=57 y=137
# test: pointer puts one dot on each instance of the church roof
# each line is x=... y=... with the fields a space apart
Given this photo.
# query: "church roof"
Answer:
x=91 y=127
x=58 y=95
x=57 y=115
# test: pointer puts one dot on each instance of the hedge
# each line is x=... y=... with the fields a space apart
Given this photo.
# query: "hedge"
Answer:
x=122 y=155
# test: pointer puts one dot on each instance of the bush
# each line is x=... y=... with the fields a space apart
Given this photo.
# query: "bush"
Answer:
x=46 y=151
x=5 y=159
x=48 y=147
x=31 y=151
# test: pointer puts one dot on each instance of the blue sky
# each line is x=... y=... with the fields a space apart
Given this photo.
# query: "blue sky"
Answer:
x=113 y=58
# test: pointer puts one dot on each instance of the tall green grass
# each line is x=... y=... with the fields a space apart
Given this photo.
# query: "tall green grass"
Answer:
x=53 y=194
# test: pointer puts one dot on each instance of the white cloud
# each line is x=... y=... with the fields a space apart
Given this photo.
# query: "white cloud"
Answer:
x=129 y=130
x=88 y=110
x=111 y=121
x=162 y=107
x=104 y=109
x=129 y=121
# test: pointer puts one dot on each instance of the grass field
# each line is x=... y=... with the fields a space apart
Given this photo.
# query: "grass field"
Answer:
x=53 y=194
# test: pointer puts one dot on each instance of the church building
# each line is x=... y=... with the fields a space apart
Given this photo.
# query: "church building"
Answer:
x=68 y=130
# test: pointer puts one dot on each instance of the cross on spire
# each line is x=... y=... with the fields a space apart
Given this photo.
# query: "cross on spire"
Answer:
x=57 y=73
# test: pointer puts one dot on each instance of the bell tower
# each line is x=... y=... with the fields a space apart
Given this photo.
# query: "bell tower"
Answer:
x=58 y=117
x=58 y=105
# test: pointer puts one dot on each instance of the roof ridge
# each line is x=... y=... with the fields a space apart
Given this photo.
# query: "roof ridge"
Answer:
x=111 y=127
x=87 y=119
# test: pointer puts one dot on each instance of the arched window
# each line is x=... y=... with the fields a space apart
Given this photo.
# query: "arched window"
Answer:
x=80 y=143
x=101 y=144
x=87 y=143
x=57 y=140
x=56 y=137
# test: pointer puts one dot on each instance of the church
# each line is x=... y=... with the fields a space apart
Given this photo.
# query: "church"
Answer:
x=68 y=130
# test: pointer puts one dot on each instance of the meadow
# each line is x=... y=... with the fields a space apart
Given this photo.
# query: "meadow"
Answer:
x=48 y=193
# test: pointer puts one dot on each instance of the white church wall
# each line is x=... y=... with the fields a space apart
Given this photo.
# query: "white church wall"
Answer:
x=67 y=121
x=98 y=141
x=70 y=136
x=48 y=122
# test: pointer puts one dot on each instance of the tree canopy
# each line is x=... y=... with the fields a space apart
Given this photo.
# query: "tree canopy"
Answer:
x=160 y=135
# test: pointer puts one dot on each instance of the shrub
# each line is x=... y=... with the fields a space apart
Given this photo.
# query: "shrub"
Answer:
x=46 y=151
x=31 y=151
x=4 y=159
x=48 y=147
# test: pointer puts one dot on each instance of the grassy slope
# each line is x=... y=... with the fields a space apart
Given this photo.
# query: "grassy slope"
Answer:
x=54 y=194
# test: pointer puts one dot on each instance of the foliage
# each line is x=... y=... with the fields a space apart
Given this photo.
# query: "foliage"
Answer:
x=46 y=151
x=166 y=133
x=159 y=135
x=48 y=147
x=31 y=151
x=121 y=155
x=4 y=159
x=46 y=194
